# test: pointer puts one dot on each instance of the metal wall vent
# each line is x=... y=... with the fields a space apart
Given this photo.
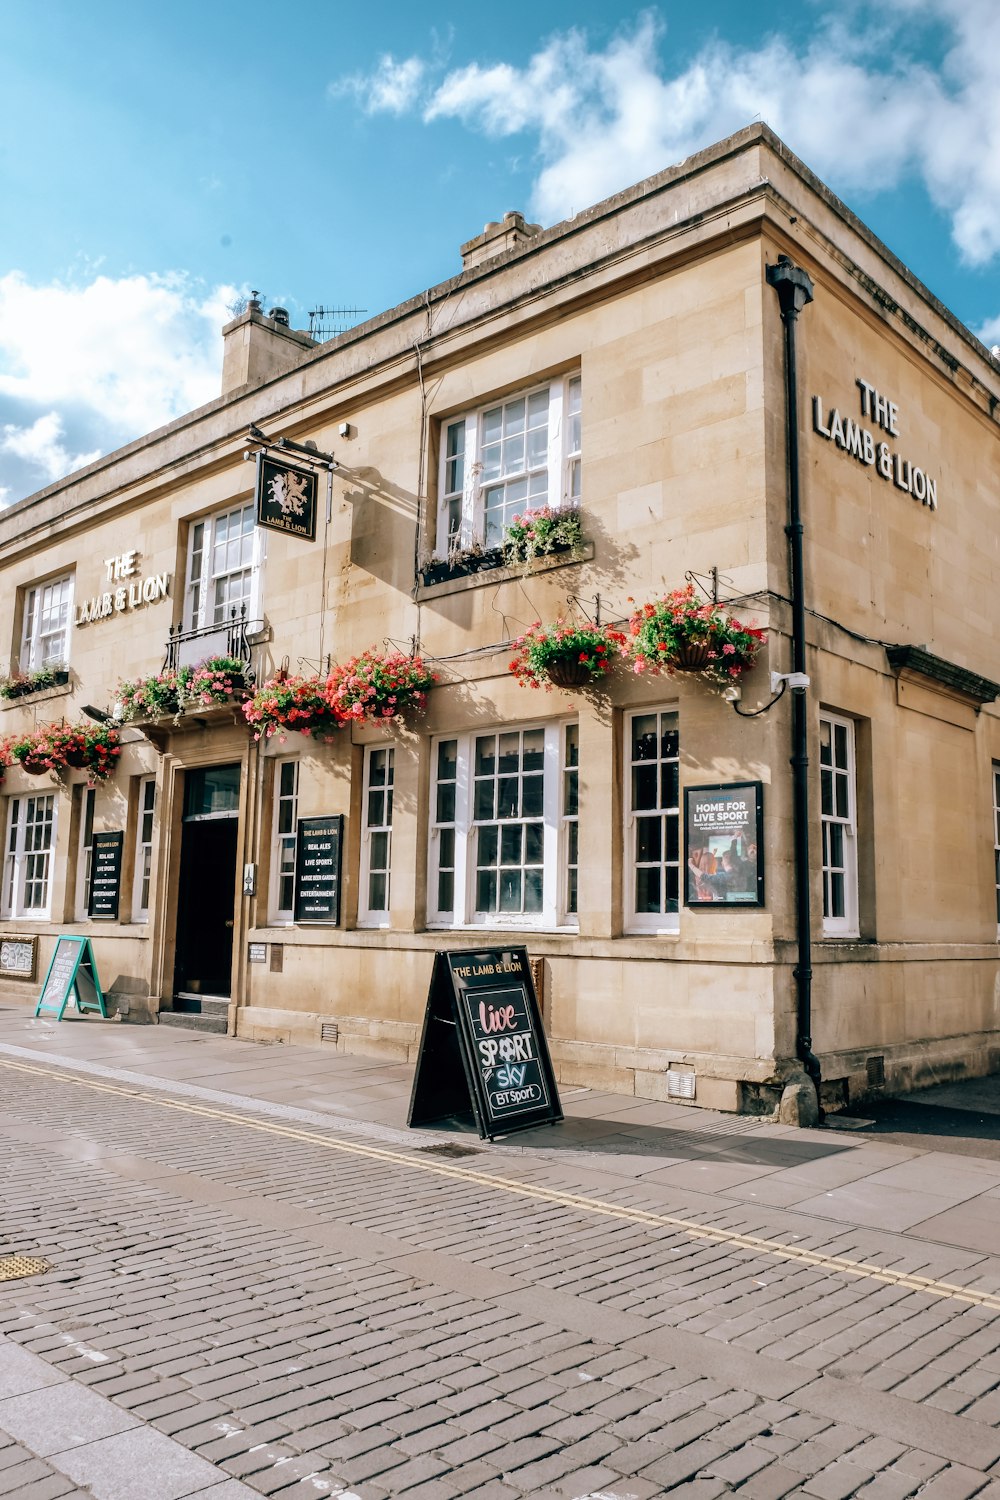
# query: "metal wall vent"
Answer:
x=329 y=1031
x=875 y=1068
x=680 y=1085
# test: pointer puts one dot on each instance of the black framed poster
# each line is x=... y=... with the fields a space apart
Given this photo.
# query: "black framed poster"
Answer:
x=286 y=498
x=317 y=869
x=723 y=844
x=105 y=876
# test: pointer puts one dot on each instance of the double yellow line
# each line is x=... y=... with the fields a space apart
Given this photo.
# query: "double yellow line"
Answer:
x=757 y=1244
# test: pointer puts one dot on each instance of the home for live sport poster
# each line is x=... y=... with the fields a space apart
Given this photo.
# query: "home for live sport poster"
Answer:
x=722 y=844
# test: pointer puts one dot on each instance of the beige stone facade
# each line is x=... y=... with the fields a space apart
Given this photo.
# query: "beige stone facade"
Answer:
x=654 y=307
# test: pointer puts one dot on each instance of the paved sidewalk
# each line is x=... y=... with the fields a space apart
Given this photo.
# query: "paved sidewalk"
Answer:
x=262 y=1283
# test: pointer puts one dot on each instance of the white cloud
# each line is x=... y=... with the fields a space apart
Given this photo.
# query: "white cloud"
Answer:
x=85 y=367
x=41 y=447
x=392 y=88
x=859 y=103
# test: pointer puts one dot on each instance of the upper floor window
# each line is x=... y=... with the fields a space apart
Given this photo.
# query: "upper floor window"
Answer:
x=45 y=624
x=222 y=568
x=838 y=814
x=518 y=454
x=27 y=872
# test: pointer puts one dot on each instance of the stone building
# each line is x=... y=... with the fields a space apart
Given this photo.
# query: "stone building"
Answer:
x=641 y=348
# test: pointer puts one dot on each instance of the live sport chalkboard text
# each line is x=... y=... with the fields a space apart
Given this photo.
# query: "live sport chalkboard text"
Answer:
x=483 y=1046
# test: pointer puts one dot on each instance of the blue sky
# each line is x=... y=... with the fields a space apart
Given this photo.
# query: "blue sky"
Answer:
x=156 y=161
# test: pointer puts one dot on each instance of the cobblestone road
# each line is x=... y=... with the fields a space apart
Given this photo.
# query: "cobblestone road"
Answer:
x=246 y=1298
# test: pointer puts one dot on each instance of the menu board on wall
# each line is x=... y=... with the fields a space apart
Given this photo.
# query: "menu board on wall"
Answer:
x=105 y=876
x=317 y=869
x=17 y=957
x=723 y=844
x=483 y=1047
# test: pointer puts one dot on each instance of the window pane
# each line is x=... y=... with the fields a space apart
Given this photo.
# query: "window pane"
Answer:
x=533 y=796
x=533 y=891
x=484 y=805
x=446 y=803
x=647 y=890
x=644 y=737
x=534 y=749
x=510 y=845
x=486 y=891
x=510 y=890
x=647 y=842
x=488 y=842
x=644 y=786
x=508 y=788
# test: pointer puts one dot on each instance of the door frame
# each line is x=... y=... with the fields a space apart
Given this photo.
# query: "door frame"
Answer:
x=230 y=749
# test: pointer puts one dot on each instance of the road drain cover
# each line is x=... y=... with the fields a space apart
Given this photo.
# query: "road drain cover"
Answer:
x=447 y=1149
x=12 y=1267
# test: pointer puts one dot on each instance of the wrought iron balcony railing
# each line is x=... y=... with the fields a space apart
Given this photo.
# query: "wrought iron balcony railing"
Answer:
x=186 y=648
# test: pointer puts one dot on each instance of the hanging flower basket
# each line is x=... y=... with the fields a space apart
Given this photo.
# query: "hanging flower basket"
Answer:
x=564 y=655
x=378 y=685
x=35 y=765
x=569 y=674
x=685 y=633
x=285 y=705
x=59 y=747
x=692 y=656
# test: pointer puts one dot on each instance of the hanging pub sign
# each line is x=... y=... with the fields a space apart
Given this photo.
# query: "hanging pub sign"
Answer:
x=483 y=1047
x=317 y=869
x=723 y=845
x=105 y=876
x=286 y=497
x=72 y=975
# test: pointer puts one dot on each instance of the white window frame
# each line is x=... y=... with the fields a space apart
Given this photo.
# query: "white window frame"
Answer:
x=839 y=813
x=464 y=828
x=569 y=829
x=461 y=512
x=46 y=620
x=201 y=573
x=376 y=834
x=85 y=852
x=661 y=808
x=285 y=811
x=996 y=837
x=145 y=814
x=19 y=858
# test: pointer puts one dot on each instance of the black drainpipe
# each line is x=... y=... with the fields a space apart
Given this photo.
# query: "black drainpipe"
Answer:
x=795 y=291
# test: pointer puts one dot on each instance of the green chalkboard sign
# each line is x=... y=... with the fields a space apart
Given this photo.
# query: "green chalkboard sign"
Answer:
x=72 y=975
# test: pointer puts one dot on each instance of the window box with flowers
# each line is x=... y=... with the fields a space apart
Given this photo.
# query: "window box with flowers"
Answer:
x=564 y=655
x=221 y=680
x=93 y=748
x=291 y=705
x=20 y=684
x=547 y=533
x=378 y=686
x=683 y=633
